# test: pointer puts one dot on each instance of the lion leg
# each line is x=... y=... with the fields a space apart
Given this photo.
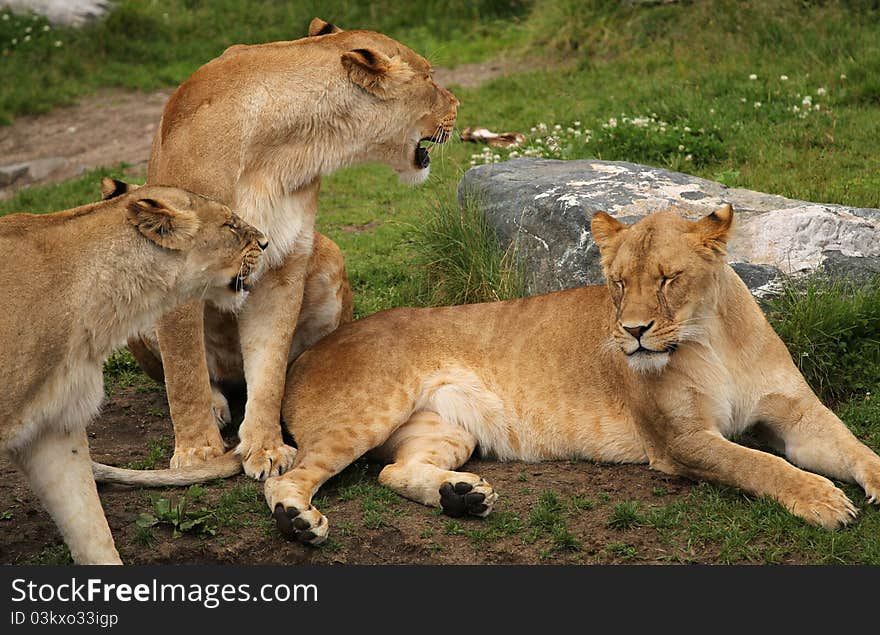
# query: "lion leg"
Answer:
x=706 y=455
x=59 y=470
x=327 y=300
x=146 y=353
x=266 y=326
x=148 y=357
x=814 y=438
x=424 y=451
x=190 y=396
x=330 y=438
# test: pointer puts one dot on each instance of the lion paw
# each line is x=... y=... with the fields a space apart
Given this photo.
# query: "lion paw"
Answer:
x=261 y=463
x=824 y=504
x=220 y=409
x=308 y=527
x=464 y=498
x=872 y=488
x=187 y=456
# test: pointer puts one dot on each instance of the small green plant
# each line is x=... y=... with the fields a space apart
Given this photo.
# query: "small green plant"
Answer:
x=625 y=515
x=178 y=513
x=157 y=451
x=622 y=550
x=547 y=517
x=56 y=555
x=144 y=535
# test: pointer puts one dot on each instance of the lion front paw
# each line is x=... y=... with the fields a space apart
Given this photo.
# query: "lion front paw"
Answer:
x=462 y=498
x=309 y=526
x=821 y=503
x=261 y=463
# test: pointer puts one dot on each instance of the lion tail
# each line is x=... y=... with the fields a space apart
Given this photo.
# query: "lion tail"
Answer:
x=221 y=467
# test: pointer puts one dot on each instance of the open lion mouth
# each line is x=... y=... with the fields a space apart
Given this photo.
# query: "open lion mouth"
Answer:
x=422 y=157
x=238 y=284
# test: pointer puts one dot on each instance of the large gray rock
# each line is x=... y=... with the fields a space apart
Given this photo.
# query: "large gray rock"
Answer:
x=543 y=207
x=62 y=12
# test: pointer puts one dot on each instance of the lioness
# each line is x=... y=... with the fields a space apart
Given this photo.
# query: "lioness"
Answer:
x=76 y=284
x=257 y=128
x=658 y=366
x=327 y=303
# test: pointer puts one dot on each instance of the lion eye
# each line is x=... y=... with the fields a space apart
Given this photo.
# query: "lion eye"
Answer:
x=665 y=280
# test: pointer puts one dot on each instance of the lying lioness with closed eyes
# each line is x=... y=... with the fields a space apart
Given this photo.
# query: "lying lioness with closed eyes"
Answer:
x=661 y=366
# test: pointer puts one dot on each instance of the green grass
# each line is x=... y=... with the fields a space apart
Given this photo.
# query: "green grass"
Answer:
x=625 y=515
x=548 y=520
x=832 y=328
x=157 y=453
x=147 y=45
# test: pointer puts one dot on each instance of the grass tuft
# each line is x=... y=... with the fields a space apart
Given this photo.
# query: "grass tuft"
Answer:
x=832 y=329
x=463 y=260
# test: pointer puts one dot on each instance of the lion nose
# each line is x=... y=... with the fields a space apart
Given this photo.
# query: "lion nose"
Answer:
x=638 y=331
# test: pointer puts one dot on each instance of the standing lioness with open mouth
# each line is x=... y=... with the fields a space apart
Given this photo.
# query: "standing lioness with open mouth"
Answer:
x=257 y=128
x=661 y=366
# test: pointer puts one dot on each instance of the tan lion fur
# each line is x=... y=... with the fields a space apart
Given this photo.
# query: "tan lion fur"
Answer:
x=257 y=128
x=661 y=366
x=76 y=285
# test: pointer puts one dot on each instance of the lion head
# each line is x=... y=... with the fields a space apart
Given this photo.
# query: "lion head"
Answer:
x=390 y=84
x=222 y=252
x=661 y=273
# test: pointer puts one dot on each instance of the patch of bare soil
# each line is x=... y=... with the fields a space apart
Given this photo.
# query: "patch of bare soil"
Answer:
x=397 y=532
x=104 y=129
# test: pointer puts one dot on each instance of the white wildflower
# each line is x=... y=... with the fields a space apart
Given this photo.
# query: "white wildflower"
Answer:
x=28 y=30
x=821 y=91
x=742 y=100
x=753 y=77
x=807 y=101
x=5 y=17
x=783 y=78
x=58 y=43
x=757 y=104
x=680 y=147
x=46 y=28
x=842 y=76
x=688 y=157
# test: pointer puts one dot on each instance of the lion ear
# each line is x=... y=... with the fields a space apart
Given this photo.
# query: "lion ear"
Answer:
x=111 y=188
x=319 y=27
x=713 y=231
x=604 y=227
x=167 y=226
x=375 y=72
